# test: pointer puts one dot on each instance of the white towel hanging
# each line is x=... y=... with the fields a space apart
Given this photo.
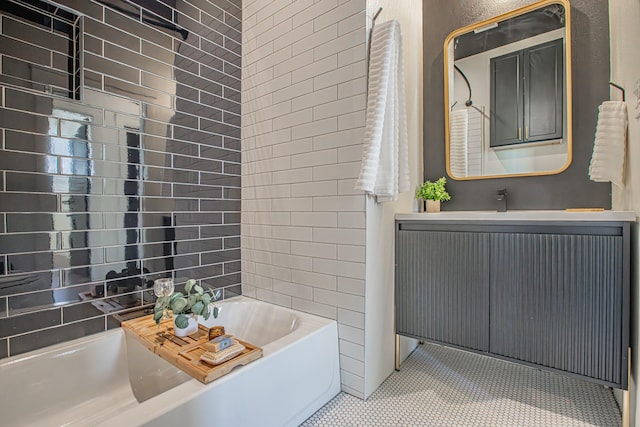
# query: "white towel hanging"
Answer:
x=607 y=160
x=385 y=159
x=458 y=159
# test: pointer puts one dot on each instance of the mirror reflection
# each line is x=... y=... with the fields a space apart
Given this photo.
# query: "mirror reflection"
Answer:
x=508 y=95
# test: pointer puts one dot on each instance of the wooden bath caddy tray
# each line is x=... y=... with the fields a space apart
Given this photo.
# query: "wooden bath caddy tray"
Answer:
x=184 y=353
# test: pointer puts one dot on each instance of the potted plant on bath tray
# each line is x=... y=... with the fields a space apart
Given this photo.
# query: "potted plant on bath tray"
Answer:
x=433 y=193
x=186 y=307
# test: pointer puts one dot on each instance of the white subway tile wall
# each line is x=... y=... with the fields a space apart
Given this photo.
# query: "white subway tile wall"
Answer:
x=303 y=223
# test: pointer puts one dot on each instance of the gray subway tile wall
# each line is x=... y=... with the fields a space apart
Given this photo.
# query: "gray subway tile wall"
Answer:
x=138 y=179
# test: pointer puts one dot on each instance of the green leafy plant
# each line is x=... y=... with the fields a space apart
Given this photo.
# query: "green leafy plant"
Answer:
x=433 y=191
x=195 y=301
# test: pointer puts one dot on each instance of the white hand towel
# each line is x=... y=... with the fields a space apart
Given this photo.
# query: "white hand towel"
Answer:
x=459 y=130
x=607 y=161
x=385 y=159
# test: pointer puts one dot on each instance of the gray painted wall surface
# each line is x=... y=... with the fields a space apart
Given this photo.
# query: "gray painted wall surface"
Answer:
x=590 y=66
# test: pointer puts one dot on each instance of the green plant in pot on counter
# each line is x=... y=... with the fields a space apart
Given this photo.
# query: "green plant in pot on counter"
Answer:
x=195 y=301
x=433 y=193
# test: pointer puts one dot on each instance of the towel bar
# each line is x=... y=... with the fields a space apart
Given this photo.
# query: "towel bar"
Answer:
x=619 y=87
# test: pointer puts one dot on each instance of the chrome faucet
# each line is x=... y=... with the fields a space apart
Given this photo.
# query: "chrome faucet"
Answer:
x=501 y=196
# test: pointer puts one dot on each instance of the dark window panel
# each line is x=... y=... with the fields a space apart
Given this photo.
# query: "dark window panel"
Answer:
x=20 y=202
x=20 y=324
x=35 y=340
x=3 y=348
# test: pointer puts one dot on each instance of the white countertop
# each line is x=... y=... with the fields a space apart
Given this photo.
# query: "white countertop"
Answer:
x=556 y=215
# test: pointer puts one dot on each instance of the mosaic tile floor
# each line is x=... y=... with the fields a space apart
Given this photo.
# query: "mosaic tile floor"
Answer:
x=438 y=386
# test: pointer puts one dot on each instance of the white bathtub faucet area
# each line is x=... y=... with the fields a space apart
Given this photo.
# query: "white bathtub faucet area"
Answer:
x=111 y=379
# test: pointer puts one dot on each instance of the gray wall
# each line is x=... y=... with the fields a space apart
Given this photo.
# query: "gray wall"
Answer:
x=590 y=66
x=139 y=179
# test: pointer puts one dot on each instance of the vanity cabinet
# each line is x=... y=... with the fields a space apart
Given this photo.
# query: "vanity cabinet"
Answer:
x=552 y=294
x=526 y=95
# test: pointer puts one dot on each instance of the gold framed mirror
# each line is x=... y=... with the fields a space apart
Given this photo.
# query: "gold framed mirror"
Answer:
x=507 y=93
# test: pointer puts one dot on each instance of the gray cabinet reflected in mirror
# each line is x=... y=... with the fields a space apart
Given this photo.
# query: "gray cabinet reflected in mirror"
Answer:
x=508 y=94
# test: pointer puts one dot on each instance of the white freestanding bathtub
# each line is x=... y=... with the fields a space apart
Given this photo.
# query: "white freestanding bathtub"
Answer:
x=109 y=379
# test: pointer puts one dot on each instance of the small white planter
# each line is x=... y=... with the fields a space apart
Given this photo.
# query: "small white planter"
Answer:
x=191 y=328
x=433 y=205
